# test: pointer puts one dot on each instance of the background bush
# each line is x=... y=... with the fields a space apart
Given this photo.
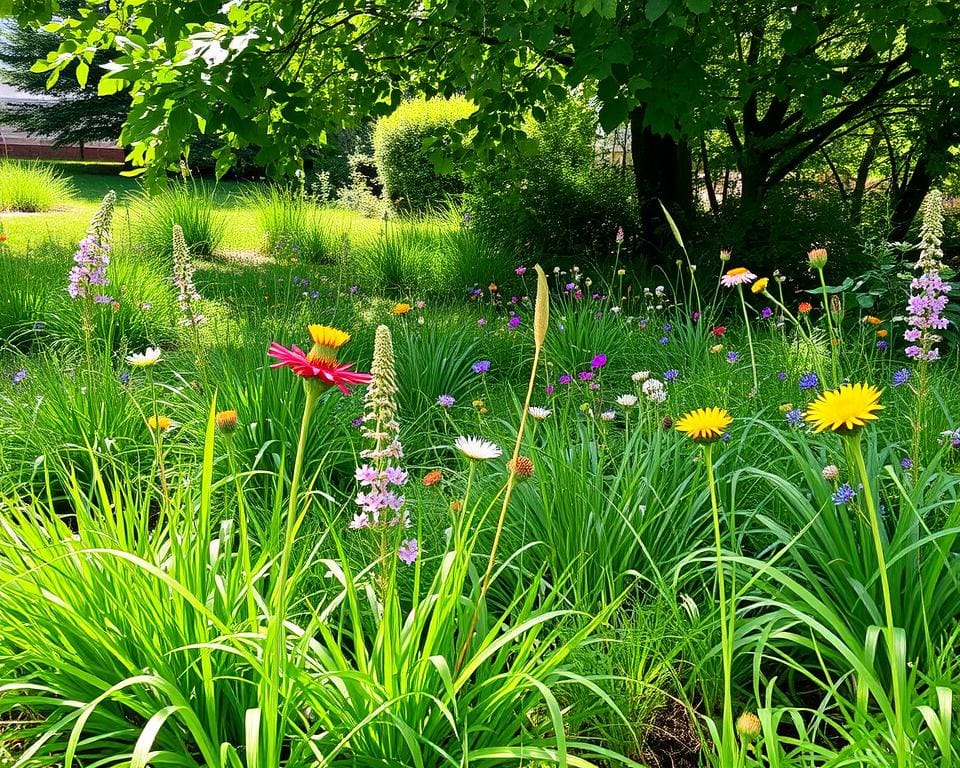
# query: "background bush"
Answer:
x=553 y=197
x=189 y=204
x=410 y=178
x=31 y=187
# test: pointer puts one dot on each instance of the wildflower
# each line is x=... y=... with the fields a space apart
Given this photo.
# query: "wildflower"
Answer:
x=906 y=462
x=672 y=375
x=619 y=237
x=794 y=417
x=477 y=448
x=565 y=379
x=830 y=472
x=784 y=407
x=19 y=376
x=159 y=422
x=146 y=359
x=733 y=357
x=640 y=376
x=872 y=320
x=514 y=322
x=845 y=409
x=421 y=304
x=654 y=391
x=408 y=551
x=724 y=255
x=664 y=340
x=882 y=333
x=539 y=413
x=124 y=377
x=492 y=288
x=522 y=467
x=521 y=271
x=226 y=421
x=737 y=276
x=804 y=307
x=598 y=362
x=761 y=285
x=627 y=401
x=748 y=726
x=481 y=366
x=782 y=375
x=817 y=258
x=809 y=381
x=882 y=345
x=432 y=478
x=704 y=424
x=608 y=415
x=93 y=254
x=585 y=375
x=401 y=309
x=187 y=294
x=718 y=330
x=446 y=401
x=901 y=377
x=716 y=349
x=320 y=364
x=482 y=322
x=844 y=494
x=766 y=313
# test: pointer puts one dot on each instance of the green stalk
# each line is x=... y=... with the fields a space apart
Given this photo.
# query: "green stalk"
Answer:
x=244 y=537
x=728 y=739
x=833 y=339
x=855 y=452
x=753 y=358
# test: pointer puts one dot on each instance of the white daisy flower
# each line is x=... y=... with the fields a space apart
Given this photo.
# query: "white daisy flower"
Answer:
x=144 y=359
x=640 y=376
x=477 y=448
x=608 y=415
x=539 y=413
x=627 y=401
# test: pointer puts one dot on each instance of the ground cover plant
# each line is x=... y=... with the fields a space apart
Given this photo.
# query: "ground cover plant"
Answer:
x=402 y=497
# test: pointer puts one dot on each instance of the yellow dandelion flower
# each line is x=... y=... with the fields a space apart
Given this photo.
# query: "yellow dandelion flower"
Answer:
x=845 y=409
x=159 y=422
x=326 y=336
x=761 y=285
x=704 y=425
x=401 y=309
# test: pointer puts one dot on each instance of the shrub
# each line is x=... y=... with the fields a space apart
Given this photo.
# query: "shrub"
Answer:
x=406 y=164
x=553 y=198
x=32 y=187
x=185 y=203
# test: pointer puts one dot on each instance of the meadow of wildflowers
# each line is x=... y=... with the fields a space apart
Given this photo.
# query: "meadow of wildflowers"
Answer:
x=569 y=516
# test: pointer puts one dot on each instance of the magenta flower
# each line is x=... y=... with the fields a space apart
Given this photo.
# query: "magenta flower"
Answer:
x=598 y=362
x=409 y=551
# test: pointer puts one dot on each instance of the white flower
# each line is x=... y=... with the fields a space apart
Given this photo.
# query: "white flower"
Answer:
x=144 y=359
x=655 y=390
x=477 y=448
x=640 y=376
x=627 y=401
x=608 y=415
x=539 y=413
x=615 y=310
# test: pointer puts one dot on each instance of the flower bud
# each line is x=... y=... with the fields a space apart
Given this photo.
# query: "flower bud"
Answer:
x=817 y=258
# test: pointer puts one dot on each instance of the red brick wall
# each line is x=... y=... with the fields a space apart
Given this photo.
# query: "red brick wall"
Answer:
x=25 y=150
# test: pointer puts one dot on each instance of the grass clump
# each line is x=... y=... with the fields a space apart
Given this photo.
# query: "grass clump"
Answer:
x=32 y=187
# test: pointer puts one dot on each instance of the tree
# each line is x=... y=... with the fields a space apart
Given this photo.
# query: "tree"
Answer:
x=79 y=115
x=782 y=80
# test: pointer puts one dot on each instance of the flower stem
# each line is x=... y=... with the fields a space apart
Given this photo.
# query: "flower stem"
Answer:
x=753 y=358
x=834 y=341
x=855 y=452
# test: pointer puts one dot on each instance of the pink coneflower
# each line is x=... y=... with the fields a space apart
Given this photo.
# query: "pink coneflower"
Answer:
x=737 y=276
x=320 y=363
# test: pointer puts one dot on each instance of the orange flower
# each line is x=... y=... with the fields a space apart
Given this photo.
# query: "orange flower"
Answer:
x=401 y=309
x=872 y=320
x=492 y=287
x=432 y=478
x=805 y=307
x=456 y=506
x=882 y=333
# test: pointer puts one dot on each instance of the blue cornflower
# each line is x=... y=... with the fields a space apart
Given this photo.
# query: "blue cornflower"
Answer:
x=794 y=417
x=809 y=381
x=124 y=377
x=671 y=375
x=445 y=401
x=782 y=376
x=844 y=494
x=481 y=366
x=901 y=377
x=906 y=462
x=664 y=340
x=667 y=328
x=733 y=357
x=19 y=376
x=882 y=345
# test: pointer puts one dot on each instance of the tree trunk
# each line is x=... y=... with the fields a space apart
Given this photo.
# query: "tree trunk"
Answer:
x=663 y=172
x=908 y=200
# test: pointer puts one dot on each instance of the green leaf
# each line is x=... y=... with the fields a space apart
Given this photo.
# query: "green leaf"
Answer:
x=699 y=6
x=656 y=8
x=83 y=72
x=613 y=114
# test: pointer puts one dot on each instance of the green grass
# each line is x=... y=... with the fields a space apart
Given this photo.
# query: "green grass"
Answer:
x=32 y=187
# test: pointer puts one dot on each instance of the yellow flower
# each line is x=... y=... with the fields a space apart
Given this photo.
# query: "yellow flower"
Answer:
x=401 y=309
x=325 y=336
x=786 y=407
x=478 y=403
x=704 y=424
x=159 y=422
x=226 y=421
x=716 y=348
x=748 y=726
x=761 y=285
x=845 y=409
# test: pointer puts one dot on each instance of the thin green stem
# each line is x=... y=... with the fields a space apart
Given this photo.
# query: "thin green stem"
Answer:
x=855 y=451
x=834 y=340
x=753 y=357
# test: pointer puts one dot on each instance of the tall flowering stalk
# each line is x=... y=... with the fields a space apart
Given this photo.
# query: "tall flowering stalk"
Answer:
x=737 y=278
x=927 y=302
x=88 y=276
x=187 y=294
x=817 y=260
x=381 y=506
